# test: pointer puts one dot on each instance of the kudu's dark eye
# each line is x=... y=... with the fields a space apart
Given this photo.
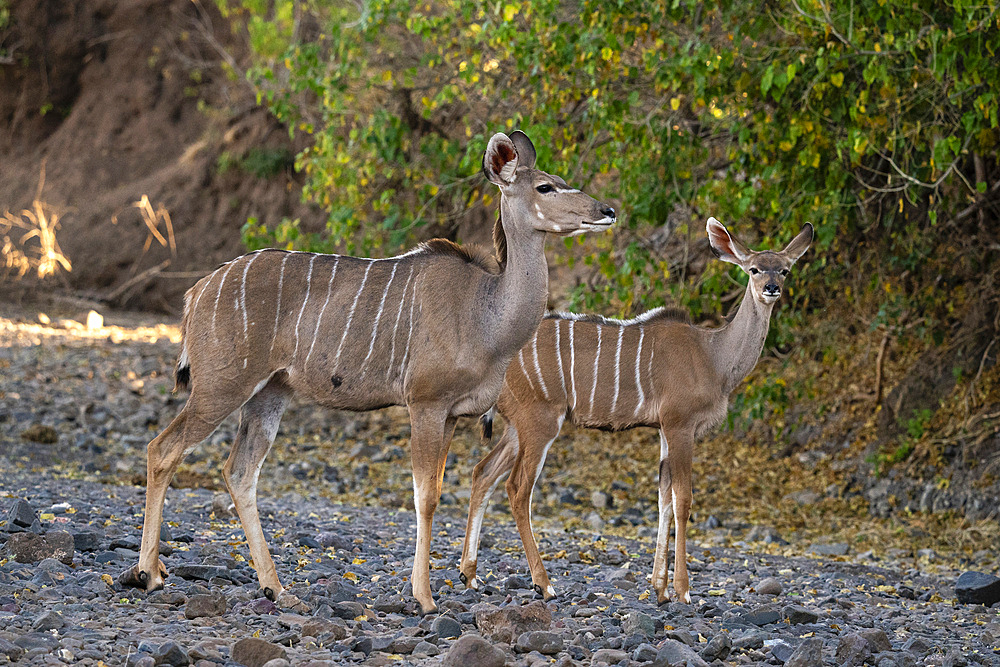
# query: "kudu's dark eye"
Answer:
x=544 y=188
x=784 y=272
x=754 y=270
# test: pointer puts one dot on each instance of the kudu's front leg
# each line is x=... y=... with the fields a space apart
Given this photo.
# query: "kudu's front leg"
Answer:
x=431 y=431
x=485 y=478
x=674 y=504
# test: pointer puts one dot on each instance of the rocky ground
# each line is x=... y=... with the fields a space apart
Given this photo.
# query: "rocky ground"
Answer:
x=78 y=404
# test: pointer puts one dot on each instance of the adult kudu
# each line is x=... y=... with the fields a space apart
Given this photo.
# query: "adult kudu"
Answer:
x=655 y=370
x=433 y=329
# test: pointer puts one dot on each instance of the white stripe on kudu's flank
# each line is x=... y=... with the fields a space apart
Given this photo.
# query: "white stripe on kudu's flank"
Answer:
x=618 y=358
x=562 y=378
x=572 y=364
x=350 y=314
x=378 y=316
x=524 y=369
x=597 y=358
x=277 y=310
x=243 y=306
x=409 y=334
x=538 y=368
x=215 y=309
x=638 y=380
x=399 y=312
x=309 y=276
x=319 y=318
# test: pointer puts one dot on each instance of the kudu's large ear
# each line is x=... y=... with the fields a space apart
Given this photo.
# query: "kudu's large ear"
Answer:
x=725 y=246
x=800 y=243
x=525 y=149
x=501 y=160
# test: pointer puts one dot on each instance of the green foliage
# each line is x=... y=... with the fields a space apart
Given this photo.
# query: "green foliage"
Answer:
x=861 y=116
x=260 y=162
x=916 y=427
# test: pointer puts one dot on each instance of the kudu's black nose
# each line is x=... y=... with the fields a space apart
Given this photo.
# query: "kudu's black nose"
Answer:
x=608 y=212
x=772 y=289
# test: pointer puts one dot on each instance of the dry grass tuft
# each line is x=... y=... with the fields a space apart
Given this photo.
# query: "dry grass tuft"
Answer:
x=37 y=250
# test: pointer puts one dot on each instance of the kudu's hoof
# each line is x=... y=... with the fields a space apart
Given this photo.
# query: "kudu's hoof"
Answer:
x=137 y=578
x=547 y=593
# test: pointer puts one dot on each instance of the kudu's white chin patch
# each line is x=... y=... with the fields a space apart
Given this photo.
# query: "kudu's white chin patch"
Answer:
x=769 y=299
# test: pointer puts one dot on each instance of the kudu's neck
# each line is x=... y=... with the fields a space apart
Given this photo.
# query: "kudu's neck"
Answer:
x=736 y=347
x=523 y=285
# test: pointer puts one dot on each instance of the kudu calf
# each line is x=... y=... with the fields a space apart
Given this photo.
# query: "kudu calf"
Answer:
x=654 y=370
x=433 y=329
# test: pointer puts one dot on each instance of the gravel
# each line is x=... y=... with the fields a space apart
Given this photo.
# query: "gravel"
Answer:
x=71 y=517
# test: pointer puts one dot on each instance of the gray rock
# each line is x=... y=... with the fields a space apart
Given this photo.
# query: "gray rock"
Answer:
x=608 y=656
x=171 y=654
x=673 y=651
x=404 y=645
x=446 y=626
x=762 y=615
x=978 y=588
x=21 y=515
x=749 y=641
x=808 y=654
x=11 y=650
x=546 y=643
x=50 y=620
x=718 y=648
x=769 y=586
x=335 y=540
x=595 y=522
x=277 y=662
x=877 y=640
x=508 y=623
x=348 y=610
x=797 y=614
x=835 y=549
x=31 y=548
x=198 y=606
x=254 y=652
x=341 y=590
x=852 y=650
x=600 y=500
x=86 y=540
x=473 y=650
x=201 y=572
x=515 y=583
x=636 y=622
x=426 y=648
x=780 y=649
x=644 y=653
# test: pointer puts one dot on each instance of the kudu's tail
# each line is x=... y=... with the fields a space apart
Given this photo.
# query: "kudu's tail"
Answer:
x=487 y=423
x=182 y=373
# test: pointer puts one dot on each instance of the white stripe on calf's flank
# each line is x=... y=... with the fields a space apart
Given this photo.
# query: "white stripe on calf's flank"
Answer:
x=524 y=369
x=538 y=368
x=350 y=314
x=572 y=364
x=309 y=276
x=378 y=316
x=638 y=380
x=319 y=318
x=597 y=359
x=618 y=357
x=562 y=378
x=277 y=309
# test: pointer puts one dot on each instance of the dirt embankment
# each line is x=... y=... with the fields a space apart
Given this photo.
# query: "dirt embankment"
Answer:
x=117 y=100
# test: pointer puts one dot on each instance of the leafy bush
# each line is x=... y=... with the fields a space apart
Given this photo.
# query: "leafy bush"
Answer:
x=874 y=119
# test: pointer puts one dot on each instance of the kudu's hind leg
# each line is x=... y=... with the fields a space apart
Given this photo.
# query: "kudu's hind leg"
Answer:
x=485 y=478
x=431 y=430
x=534 y=446
x=163 y=455
x=680 y=466
x=666 y=515
x=258 y=427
